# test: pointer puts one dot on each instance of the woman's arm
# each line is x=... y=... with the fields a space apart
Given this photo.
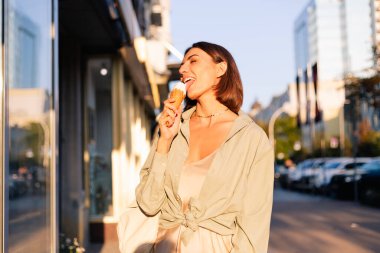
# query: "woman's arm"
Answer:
x=254 y=222
x=150 y=193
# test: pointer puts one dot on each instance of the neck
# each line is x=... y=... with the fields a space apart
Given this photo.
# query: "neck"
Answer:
x=209 y=108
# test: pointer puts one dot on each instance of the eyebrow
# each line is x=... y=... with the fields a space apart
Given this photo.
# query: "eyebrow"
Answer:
x=188 y=58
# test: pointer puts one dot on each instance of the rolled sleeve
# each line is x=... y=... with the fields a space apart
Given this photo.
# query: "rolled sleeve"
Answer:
x=150 y=192
x=159 y=163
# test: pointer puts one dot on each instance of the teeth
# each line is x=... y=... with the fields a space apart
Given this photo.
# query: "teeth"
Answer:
x=188 y=79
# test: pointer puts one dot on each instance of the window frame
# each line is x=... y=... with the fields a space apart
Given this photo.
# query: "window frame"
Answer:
x=4 y=131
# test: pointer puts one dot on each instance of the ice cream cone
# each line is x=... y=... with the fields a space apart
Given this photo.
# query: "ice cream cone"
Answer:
x=179 y=94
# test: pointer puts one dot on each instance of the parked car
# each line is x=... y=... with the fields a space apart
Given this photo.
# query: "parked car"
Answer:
x=342 y=186
x=283 y=176
x=17 y=186
x=309 y=172
x=295 y=176
x=369 y=186
x=283 y=173
x=334 y=167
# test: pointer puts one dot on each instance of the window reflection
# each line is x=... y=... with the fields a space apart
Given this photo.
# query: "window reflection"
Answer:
x=29 y=78
x=99 y=137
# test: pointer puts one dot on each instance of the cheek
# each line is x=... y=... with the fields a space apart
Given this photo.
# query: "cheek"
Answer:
x=208 y=76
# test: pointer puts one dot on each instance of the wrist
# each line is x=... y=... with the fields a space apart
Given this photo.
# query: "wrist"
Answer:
x=163 y=145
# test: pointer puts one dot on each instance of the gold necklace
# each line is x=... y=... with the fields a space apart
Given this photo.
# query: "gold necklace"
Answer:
x=211 y=115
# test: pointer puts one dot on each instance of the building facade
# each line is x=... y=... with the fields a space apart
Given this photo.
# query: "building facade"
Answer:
x=81 y=83
x=288 y=98
x=332 y=41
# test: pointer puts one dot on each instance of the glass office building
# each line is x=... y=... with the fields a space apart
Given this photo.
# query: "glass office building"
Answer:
x=333 y=39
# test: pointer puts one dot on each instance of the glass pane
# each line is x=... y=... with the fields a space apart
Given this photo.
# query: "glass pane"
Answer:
x=2 y=134
x=29 y=78
x=99 y=136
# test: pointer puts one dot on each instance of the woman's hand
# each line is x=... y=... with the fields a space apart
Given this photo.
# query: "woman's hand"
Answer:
x=169 y=125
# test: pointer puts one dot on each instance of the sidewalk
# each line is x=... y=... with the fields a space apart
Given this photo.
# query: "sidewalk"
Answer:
x=109 y=247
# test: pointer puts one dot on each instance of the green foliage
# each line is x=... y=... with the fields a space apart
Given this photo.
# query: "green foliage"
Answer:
x=27 y=138
x=286 y=135
x=66 y=245
x=369 y=140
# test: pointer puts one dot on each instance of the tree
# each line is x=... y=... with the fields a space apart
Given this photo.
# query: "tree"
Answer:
x=369 y=140
x=286 y=135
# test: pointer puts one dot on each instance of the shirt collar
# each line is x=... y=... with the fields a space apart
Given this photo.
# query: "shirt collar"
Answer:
x=239 y=123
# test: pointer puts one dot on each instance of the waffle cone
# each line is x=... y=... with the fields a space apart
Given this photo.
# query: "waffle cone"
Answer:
x=179 y=96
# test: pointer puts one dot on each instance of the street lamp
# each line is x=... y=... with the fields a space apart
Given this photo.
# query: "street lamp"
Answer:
x=284 y=108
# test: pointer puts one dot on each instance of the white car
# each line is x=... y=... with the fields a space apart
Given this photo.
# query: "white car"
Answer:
x=310 y=173
x=334 y=167
x=295 y=175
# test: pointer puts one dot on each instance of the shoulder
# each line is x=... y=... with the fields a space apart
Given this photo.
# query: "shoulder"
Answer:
x=251 y=127
x=254 y=129
x=254 y=134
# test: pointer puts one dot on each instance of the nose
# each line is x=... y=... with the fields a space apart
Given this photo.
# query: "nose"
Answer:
x=183 y=69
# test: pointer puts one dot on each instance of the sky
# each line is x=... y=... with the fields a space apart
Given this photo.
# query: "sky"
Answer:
x=258 y=33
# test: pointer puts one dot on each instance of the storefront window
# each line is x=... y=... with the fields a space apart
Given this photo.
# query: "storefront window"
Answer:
x=28 y=73
x=99 y=137
x=2 y=135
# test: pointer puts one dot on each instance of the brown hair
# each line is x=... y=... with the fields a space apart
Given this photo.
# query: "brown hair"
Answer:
x=229 y=90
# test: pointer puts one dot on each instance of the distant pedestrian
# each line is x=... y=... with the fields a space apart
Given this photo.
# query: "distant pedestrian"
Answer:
x=209 y=175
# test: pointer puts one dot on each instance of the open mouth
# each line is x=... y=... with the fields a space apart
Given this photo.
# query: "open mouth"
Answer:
x=188 y=81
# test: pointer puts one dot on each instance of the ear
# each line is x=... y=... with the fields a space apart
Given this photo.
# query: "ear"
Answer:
x=221 y=68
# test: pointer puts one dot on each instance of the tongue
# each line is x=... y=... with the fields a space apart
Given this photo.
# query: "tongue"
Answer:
x=188 y=83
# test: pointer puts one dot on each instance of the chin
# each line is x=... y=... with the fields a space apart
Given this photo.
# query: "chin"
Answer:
x=191 y=95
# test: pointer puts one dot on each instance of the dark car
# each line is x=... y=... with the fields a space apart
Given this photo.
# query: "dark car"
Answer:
x=309 y=173
x=342 y=186
x=369 y=186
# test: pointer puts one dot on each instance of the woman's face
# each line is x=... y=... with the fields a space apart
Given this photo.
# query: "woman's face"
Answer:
x=199 y=72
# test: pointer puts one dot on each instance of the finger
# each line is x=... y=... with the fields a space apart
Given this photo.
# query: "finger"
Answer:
x=164 y=119
x=168 y=121
x=178 y=116
x=170 y=100
x=169 y=104
x=169 y=112
x=161 y=119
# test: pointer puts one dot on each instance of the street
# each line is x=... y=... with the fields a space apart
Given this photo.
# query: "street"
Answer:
x=303 y=223
x=28 y=223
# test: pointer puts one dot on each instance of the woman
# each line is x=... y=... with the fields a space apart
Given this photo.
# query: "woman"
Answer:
x=210 y=171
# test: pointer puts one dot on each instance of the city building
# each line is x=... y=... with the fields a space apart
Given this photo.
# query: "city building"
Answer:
x=332 y=42
x=288 y=98
x=81 y=83
x=367 y=89
x=256 y=107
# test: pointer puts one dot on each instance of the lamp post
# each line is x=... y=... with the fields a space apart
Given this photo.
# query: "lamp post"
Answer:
x=284 y=108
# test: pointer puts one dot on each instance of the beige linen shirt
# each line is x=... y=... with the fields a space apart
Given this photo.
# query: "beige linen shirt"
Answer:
x=236 y=196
